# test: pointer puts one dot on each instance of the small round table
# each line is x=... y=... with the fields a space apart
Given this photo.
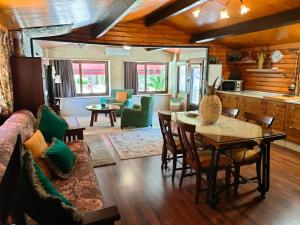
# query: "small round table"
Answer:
x=108 y=109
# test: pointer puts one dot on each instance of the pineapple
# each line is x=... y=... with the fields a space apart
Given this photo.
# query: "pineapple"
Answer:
x=210 y=106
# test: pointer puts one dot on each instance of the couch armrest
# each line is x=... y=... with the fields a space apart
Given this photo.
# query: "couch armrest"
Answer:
x=105 y=216
x=74 y=134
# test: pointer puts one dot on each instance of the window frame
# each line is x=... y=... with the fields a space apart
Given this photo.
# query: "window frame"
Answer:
x=166 y=78
x=106 y=77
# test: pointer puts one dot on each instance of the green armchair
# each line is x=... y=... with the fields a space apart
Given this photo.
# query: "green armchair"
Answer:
x=127 y=103
x=141 y=117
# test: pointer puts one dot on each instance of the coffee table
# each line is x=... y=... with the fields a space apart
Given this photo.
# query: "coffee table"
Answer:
x=109 y=109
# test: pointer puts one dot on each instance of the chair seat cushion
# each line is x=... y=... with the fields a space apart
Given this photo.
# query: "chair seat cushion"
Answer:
x=205 y=159
x=81 y=188
x=243 y=155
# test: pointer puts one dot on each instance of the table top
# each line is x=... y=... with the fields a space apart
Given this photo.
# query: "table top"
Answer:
x=98 y=107
x=227 y=131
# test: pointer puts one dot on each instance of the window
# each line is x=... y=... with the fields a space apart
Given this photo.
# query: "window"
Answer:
x=91 y=77
x=152 y=77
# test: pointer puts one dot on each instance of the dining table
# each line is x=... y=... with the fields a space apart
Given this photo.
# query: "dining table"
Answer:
x=228 y=134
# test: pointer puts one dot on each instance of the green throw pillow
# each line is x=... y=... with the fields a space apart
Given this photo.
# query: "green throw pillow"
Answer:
x=39 y=199
x=50 y=124
x=59 y=158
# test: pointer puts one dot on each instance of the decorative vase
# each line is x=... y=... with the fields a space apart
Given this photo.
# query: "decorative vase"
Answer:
x=261 y=59
x=210 y=106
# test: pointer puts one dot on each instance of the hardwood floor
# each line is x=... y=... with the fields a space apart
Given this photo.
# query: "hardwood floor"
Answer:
x=145 y=195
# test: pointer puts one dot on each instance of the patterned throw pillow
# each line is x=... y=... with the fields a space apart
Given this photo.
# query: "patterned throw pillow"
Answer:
x=60 y=159
x=50 y=124
x=121 y=96
x=39 y=199
x=37 y=145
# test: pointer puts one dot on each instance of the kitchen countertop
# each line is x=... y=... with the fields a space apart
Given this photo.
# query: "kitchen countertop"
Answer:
x=263 y=95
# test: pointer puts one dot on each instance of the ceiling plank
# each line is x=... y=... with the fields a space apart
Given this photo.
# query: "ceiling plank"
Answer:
x=288 y=17
x=172 y=10
x=114 y=14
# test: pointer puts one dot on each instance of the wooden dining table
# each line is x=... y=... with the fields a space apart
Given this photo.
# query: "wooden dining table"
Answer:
x=228 y=134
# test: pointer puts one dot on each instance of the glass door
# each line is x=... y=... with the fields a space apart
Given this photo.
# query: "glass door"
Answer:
x=196 y=84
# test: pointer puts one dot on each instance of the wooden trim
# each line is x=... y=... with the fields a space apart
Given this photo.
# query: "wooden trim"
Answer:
x=276 y=20
x=172 y=10
x=116 y=12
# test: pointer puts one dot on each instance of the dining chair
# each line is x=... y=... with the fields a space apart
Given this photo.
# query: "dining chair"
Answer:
x=230 y=112
x=171 y=144
x=199 y=161
x=248 y=156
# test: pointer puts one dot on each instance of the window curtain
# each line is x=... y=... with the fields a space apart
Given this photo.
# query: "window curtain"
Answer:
x=67 y=86
x=130 y=76
x=6 y=93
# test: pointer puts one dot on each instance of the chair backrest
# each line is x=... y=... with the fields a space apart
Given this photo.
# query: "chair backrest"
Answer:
x=129 y=92
x=230 y=112
x=147 y=107
x=186 y=134
x=266 y=121
x=166 y=131
x=11 y=181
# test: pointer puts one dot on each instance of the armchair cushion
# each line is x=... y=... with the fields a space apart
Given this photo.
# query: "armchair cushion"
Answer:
x=60 y=158
x=50 y=124
x=121 y=96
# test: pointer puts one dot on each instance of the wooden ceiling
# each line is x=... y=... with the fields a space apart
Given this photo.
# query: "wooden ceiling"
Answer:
x=16 y=14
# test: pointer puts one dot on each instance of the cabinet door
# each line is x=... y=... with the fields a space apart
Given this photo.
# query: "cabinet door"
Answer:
x=27 y=83
x=277 y=111
x=292 y=122
x=292 y=131
x=293 y=113
x=252 y=105
x=228 y=100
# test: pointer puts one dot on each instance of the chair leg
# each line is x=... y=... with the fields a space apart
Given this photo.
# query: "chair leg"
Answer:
x=258 y=172
x=236 y=178
x=198 y=186
x=163 y=156
x=227 y=179
x=174 y=166
x=182 y=172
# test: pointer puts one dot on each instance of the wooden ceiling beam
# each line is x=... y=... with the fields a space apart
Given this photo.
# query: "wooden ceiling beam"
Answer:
x=114 y=14
x=172 y=10
x=288 y=17
x=154 y=49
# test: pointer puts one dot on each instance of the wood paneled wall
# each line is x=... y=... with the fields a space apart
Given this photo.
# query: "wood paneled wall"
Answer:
x=270 y=82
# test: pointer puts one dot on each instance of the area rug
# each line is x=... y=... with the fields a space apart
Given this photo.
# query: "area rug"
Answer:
x=99 y=153
x=136 y=143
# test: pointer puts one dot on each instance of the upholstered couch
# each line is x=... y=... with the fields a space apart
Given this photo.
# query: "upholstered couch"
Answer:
x=81 y=188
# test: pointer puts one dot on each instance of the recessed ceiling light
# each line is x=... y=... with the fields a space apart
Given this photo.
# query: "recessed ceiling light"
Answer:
x=196 y=13
x=244 y=8
x=224 y=14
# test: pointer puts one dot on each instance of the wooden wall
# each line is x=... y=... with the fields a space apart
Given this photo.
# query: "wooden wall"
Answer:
x=270 y=82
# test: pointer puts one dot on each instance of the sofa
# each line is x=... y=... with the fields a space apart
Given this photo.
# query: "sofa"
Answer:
x=81 y=188
x=127 y=103
x=139 y=115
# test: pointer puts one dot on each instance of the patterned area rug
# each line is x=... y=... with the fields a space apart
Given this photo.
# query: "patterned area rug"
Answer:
x=136 y=143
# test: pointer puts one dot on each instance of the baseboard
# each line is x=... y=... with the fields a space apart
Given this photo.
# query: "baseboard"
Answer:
x=287 y=144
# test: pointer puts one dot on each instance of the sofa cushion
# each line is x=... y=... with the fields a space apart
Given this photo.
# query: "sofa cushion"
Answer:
x=37 y=145
x=46 y=206
x=60 y=158
x=50 y=124
x=121 y=96
x=81 y=188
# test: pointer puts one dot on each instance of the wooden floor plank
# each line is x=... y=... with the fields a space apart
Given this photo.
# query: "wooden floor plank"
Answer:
x=145 y=195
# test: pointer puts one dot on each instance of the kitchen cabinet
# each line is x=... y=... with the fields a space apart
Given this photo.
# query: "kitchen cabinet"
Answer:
x=286 y=115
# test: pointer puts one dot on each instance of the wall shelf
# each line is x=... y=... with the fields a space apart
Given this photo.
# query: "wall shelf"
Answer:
x=244 y=62
x=266 y=70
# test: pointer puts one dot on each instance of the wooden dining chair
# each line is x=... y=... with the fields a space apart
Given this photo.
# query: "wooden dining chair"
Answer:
x=230 y=112
x=248 y=156
x=171 y=144
x=199 y=161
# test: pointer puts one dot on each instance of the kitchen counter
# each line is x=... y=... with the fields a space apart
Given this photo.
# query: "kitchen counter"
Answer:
x=264 y=95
